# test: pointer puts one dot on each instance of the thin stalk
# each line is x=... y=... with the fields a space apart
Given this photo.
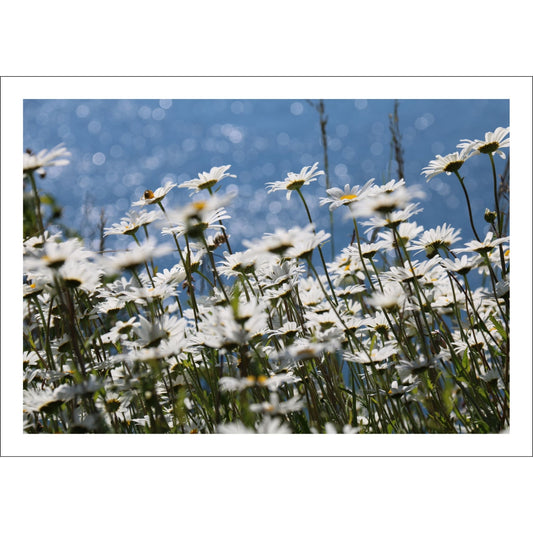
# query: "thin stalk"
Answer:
x=496 y=200
x=319 y=248
x=461 y=181
x=37 y=203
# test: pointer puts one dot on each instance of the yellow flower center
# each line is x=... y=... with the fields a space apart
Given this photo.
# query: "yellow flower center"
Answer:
x=199 y=205
x=348 y=197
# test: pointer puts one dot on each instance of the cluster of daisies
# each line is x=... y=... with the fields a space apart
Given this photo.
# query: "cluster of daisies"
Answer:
x=405 y=331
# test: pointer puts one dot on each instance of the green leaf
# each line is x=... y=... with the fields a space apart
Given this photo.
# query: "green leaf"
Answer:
x=466 y=361
x=499 y=328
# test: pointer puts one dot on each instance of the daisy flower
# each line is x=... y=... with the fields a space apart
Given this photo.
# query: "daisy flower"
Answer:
x=45 y=158
x=307 y=242
x=375 y=355
x=294 y=181
x=131 y=223
x=237 y=263
x=323 y=319
x=461 y=265
x=434 y=239
x=494 y=141
x=136 y=255
x=332 y=430
x=44 y=400
x=278 y=273
x=206 y=180
x=232 y=428
x=54 y=255
x=153 y=197
x=119 y=331
x=410 y=271
x=377 y=323
x=368 y=249
x=345 y=266
x=392 y=297
x=305 y=349
x=34 y=285
x=222 y=327
x=404 y=234
x=409 y=370
x=310 y=292
x=396 y=391
x=495 y=258
x=502 y=288
x=231 y=384
x=115 y=405
x=392 y=220
x=151 y=333
x=195 y=218
x=274 y=407
x=77 y=273
x=110 y=305
x=488 y=244
x=276 y=243
x=385 y=199
x=448 y=163
x=174 y=276
x=267 y=425
x=145 y=294
x=287 y=330
x=33 y=245
x=338 y=197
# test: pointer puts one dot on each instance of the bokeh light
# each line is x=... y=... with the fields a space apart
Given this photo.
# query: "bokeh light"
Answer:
x=122 y=147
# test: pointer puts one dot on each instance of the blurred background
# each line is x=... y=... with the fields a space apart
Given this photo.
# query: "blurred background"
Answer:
x=122 y=147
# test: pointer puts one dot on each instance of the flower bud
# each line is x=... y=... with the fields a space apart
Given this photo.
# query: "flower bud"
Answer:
x=490 y=216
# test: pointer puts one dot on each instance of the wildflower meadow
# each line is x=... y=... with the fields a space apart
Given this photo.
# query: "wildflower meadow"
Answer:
x=403 y=330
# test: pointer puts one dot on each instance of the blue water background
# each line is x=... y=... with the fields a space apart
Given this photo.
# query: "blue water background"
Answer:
x=122 y=147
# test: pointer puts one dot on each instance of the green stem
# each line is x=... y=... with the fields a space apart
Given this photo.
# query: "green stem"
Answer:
x=496 y=201
x=222 y=228
x=186 y=266
x=319 y=248
x=358 y=241
x=37 y=203
x=461 y=181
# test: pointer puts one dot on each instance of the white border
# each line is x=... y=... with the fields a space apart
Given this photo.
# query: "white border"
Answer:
x=517 y=442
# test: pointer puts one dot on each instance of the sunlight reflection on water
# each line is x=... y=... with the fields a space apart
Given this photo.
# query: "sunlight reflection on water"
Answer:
x=122 y=147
